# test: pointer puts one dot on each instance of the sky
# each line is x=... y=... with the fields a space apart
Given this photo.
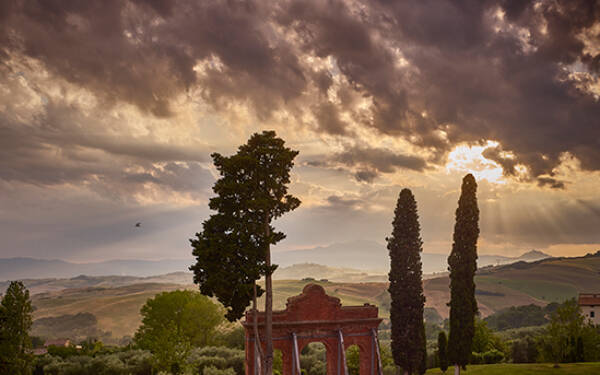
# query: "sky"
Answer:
x=110 y=110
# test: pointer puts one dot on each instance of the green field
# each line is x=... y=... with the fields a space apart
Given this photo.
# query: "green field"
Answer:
x=546 y=291
x=526 y=369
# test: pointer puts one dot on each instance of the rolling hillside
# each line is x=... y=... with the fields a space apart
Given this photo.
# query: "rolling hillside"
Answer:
x=117 y=306
x=356 y=257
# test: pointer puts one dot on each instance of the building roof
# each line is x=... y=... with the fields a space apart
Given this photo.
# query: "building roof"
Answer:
x=57 y=342
x=39 y=351
x=589 y=299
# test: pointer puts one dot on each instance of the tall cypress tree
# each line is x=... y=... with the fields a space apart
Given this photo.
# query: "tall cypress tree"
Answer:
x=15 y=323
x=406 y=285
x=443 y=351
x=463 y=264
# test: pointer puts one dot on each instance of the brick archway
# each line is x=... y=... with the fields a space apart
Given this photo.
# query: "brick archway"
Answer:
x=313 y=316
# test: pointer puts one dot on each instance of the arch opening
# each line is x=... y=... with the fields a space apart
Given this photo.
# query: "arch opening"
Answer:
x=353 y=359
x=313 y=359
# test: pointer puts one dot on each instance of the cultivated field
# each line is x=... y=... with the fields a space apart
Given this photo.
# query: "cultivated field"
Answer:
x=117 y=306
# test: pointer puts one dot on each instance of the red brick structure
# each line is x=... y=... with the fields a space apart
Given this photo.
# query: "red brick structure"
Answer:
x=313 y=316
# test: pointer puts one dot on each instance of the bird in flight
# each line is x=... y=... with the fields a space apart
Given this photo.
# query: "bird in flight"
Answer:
x=137 y=225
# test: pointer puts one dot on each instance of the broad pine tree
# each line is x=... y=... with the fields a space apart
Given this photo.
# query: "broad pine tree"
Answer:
x=462 y=266
x=234 y=249
x=406 y=285
x=443 y=351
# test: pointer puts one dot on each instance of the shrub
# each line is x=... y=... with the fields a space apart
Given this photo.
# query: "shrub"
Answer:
x=211 y=370
x=493 y=356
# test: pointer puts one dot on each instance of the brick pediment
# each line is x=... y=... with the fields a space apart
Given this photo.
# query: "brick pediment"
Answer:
x=312 y=304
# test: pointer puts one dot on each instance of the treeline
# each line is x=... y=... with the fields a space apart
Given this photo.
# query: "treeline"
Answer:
x=566 y=337
x=521 y=316
x=77 y=327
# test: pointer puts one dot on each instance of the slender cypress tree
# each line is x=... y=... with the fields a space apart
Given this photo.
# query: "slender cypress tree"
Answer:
x=423 y=364
x=406 y=285
x=463 y=264
x=442 y=351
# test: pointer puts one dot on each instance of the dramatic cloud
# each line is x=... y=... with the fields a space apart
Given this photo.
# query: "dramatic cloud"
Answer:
x=435 y=74
x=368 y=163
x=124 y=100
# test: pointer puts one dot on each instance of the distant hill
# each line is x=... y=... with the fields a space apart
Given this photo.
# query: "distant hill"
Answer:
x=47 y=285
x=373 y=256
x=27 y=268
x=367 y=257
x=319 y=272
x=115 y=301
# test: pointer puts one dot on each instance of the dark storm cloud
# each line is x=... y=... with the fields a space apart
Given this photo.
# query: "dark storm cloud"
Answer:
x=367 y=163
x=486 y=84
x=551 y=182
x=144 y=52
x=55 y=148
x=475 y=74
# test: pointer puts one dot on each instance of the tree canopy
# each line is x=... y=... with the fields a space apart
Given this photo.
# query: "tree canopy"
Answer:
x=175 y=322
x=569 y=337
x=233 y=250
x=15 y=323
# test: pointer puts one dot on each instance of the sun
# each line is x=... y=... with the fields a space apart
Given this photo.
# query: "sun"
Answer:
x=466 y=158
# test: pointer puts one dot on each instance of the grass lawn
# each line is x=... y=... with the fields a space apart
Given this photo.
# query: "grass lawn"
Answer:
x=526 y=369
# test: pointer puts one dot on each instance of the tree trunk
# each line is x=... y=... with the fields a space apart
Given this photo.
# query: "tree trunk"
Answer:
x=268 y=302
x=258 y=347
x=456 y=369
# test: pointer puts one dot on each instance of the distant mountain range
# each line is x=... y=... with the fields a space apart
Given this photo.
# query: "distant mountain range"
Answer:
x=358 y=256
x=373 y=256
x=28 y=268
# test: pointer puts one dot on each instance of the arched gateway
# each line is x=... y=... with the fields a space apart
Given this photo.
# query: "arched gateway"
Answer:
x=313 y=316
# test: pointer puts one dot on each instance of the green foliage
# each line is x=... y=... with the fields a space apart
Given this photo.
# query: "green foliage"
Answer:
x=131 y=362
x=62 y=351
x=519 y=316
x=442 y=351
x=173 y=323
x=462 y=265
x=218 y=357
x=211 y=370
x=488 y=357
x=231 y=251
x=313 y=359
x=76 y=327
x=432 y=330
x=37 y=342
x=524 y=351
x=432 y=316
x=568 y=337
x=406 y=285
x=353 y=360
x=232 y=337
x=15 y=323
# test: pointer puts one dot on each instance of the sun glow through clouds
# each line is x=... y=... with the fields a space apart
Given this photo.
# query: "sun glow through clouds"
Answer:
x=469 y=159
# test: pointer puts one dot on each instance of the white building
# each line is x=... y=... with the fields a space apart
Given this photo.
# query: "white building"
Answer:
x=589 y=303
